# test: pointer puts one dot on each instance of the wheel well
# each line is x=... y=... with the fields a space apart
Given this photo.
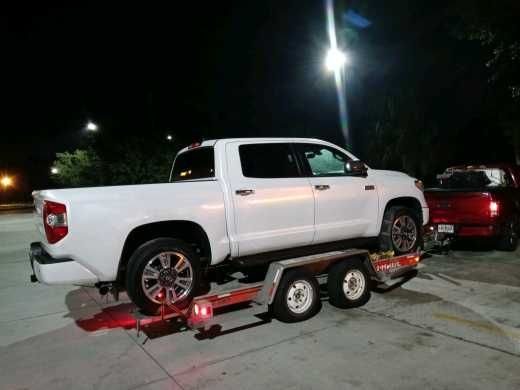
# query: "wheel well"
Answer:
x=409 y=202
x=187 y=231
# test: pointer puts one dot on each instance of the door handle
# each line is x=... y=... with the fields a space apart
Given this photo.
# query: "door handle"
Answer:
x=244 y=192
x=322 y=187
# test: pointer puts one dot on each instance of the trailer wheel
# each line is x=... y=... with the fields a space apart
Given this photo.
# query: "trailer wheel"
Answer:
x=164 y=269
x=348 y=284
x=298 y=296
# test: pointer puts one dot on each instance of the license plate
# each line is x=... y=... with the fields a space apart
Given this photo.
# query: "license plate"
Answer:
x=446 y=228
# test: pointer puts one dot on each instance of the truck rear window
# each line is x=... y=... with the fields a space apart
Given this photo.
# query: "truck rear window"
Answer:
x=473 y=178
x=194 y=164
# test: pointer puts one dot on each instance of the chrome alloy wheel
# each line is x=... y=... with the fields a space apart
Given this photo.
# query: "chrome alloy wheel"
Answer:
x=300 y=296
x=404 y=233
x=168 y=277
x=354 y=284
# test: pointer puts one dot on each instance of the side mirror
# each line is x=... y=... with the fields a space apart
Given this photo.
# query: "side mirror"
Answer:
x=356 y=168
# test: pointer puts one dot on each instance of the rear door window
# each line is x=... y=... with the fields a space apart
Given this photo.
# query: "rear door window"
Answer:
x=275 y=160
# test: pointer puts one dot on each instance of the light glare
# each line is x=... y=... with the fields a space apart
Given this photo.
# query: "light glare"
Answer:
x=91 y=126
x=335 y=59
x=6 y=181
x=55 y=170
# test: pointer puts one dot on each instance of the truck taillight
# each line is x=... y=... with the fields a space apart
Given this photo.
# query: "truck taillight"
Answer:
x=493 y=208
x=55 y=221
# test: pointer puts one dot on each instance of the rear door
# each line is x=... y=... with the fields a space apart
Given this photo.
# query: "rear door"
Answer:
x=346 y=206
x=273 y=204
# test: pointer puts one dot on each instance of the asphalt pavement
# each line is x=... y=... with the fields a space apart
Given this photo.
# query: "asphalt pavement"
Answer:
x=455 y=326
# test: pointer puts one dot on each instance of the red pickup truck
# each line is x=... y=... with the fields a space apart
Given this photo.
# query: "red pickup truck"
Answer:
x=477 y=201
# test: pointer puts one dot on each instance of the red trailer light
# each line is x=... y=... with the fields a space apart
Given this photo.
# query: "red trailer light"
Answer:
x=202 y=311
x=160 y=296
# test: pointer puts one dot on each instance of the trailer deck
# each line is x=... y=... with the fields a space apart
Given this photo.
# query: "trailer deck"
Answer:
x=384 y=270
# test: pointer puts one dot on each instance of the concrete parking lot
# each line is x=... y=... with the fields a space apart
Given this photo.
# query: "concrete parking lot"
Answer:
x=455 y=326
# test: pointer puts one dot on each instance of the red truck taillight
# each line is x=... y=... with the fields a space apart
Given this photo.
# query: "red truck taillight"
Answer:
x=493 y=208
x=55 y=221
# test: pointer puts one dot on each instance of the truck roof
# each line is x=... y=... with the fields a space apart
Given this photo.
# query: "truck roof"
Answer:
x=212 y=142
x=504 y=166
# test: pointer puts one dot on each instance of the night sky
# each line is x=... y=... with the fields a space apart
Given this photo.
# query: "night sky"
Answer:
x=218 y=69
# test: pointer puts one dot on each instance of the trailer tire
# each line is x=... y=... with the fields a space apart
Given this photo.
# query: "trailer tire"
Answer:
x=348 y=284
x=150 y=254
x=297 y=297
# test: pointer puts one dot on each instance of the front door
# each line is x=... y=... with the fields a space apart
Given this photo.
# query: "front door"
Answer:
x=346 y=206
x=273 y=204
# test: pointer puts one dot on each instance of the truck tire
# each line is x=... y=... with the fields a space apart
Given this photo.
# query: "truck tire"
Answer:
x=509 y=239
x=400 y=231
x=348 y=284
x=298 y=296
x=163 y=269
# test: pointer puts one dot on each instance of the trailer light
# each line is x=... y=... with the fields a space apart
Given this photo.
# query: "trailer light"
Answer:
x=202 y=311
x=493 y=208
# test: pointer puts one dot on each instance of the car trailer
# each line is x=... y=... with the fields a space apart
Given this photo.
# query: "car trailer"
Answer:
x=291 y=288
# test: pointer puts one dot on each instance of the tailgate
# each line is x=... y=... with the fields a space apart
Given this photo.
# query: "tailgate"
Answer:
x=458 y=207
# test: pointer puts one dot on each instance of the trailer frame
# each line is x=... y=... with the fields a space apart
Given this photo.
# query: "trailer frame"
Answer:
x=385 y=271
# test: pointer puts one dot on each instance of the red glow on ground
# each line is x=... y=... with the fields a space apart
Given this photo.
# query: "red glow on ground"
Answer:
x=112 y=317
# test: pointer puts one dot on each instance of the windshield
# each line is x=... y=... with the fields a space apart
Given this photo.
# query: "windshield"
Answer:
x=194 y=164
x=473 y=178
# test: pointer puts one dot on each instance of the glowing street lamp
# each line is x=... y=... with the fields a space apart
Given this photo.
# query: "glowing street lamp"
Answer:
x=6 y=182
x=336 y=60
x=169 y=137
x=55 y=170
x=91 y=126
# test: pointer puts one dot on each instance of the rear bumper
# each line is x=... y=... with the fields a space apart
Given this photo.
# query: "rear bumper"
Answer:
x=468 y=230
x=50 y=270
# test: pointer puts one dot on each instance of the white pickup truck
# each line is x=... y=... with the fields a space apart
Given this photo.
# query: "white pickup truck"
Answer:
x=248 y=200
